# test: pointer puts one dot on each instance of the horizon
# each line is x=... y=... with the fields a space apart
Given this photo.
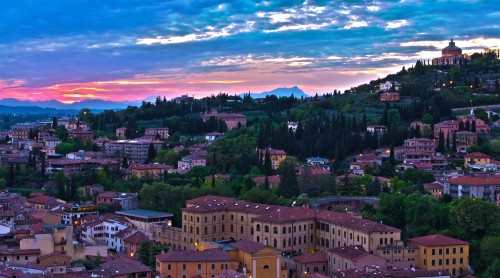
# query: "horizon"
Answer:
x=126 y=52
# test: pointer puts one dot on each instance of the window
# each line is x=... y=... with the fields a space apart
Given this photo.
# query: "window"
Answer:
x=284 y=230
x=461 y=250
x=433 y=252
x=440 y=251
x=213 y=266
x=199 y=266
x=223 y=266
x=266 y=229
x=440 y=262
x=232 y=217
x=454 y=250
x=197 y=219
x=242 y=218
x=215 y=217
x=275 y=243
x=447 y=251
x=258 y=228
x=183 y=266
x=275 y=230
x=433 y=262
x=266 y=266
x=461 y=260
x=447 y=261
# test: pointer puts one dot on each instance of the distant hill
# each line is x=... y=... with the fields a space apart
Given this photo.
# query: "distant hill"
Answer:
x=93 y=104
x=281 y=92
x=34 y=110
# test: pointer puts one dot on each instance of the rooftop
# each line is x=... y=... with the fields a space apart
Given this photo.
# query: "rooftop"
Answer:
x=248 y=245
x=317 y=257
x=208 y=255
x=144 y=213
x=437 y=240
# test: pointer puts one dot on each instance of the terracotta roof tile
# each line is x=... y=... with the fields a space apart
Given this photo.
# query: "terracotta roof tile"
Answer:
x=351 y=252
x=318 y=257
x=208 y=255
x=437 y=240
x=137 y=237
x=476 y=181
x=248 y=245
x=476 y=155
x=124 y=265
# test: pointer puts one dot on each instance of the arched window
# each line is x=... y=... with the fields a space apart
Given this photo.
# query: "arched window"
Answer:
x=284 y=230
x=258 y=238
x=322 y=242
x=266 y=266
x=275 y=230
x=284 y=242
x=327 y=243
x=275 y=243
x=266 y=229
x=258 y=228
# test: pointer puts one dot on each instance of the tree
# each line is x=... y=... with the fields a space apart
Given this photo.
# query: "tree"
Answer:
x=302 y=200
x=427 y=119
x=391 y=209
x=60 y=180
x=441 y=148
x=151 y=153
x=125 y=162
x=391 y=156
x=268 y=170
x=373 y=188
x=42 y=164
x=474 y=218
x=289 y=186
x=393 y=118
x=54 y=123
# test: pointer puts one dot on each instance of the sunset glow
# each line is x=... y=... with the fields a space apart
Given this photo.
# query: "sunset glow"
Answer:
x=137 y=51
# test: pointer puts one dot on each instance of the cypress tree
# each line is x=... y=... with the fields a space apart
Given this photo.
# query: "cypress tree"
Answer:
x=268 y=167
x=454 y=143
x=392 y=160
x=42 y=165
x=151 y=153
x=461 y=126
x=125 y=162
x=441 y=142
x=473 y=127
x=54 y=123
x=289 y=186
x=467 y=125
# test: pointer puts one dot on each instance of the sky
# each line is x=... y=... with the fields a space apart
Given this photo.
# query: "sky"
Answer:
x=133 y=49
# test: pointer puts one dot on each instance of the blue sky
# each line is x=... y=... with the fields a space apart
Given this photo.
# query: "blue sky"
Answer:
x=72 y=50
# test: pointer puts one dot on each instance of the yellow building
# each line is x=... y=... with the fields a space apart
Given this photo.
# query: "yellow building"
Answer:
x=476 y=158
x=277 y=156
x=186 y=264
x=291 y=229
x=257 y=260
x=438 y=252
x=435 y=188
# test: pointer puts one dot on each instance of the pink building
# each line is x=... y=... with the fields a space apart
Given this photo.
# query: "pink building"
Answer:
x=232 y=120
x=419 y=145
x=389 y=96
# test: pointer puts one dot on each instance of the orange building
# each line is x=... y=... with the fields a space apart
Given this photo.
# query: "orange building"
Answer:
x=277 y=156
x=257 y=260
x=476 y=158
x=186 y=264
x=304 y=265
x=438 y=252
x=435 y=188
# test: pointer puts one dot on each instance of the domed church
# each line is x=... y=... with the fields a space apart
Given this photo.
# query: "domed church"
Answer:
x=450 y=55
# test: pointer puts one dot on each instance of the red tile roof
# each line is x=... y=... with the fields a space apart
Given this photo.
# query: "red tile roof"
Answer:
x=124 y=265
x=287 y=214
x=434 y=185
x=208 y=255
x=476 y=181
x=318 y=257
x=248 y=245
x=271 y=179
x=41 y=200
x=351 y=252
x=136 y=238
x=476 y=155
x=347 y=220
x=437 y=240
x=418 y=273
x=54 y=254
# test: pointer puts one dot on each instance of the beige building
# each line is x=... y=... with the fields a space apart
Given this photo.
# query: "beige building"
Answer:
x=352 y=257
x=291 y=229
